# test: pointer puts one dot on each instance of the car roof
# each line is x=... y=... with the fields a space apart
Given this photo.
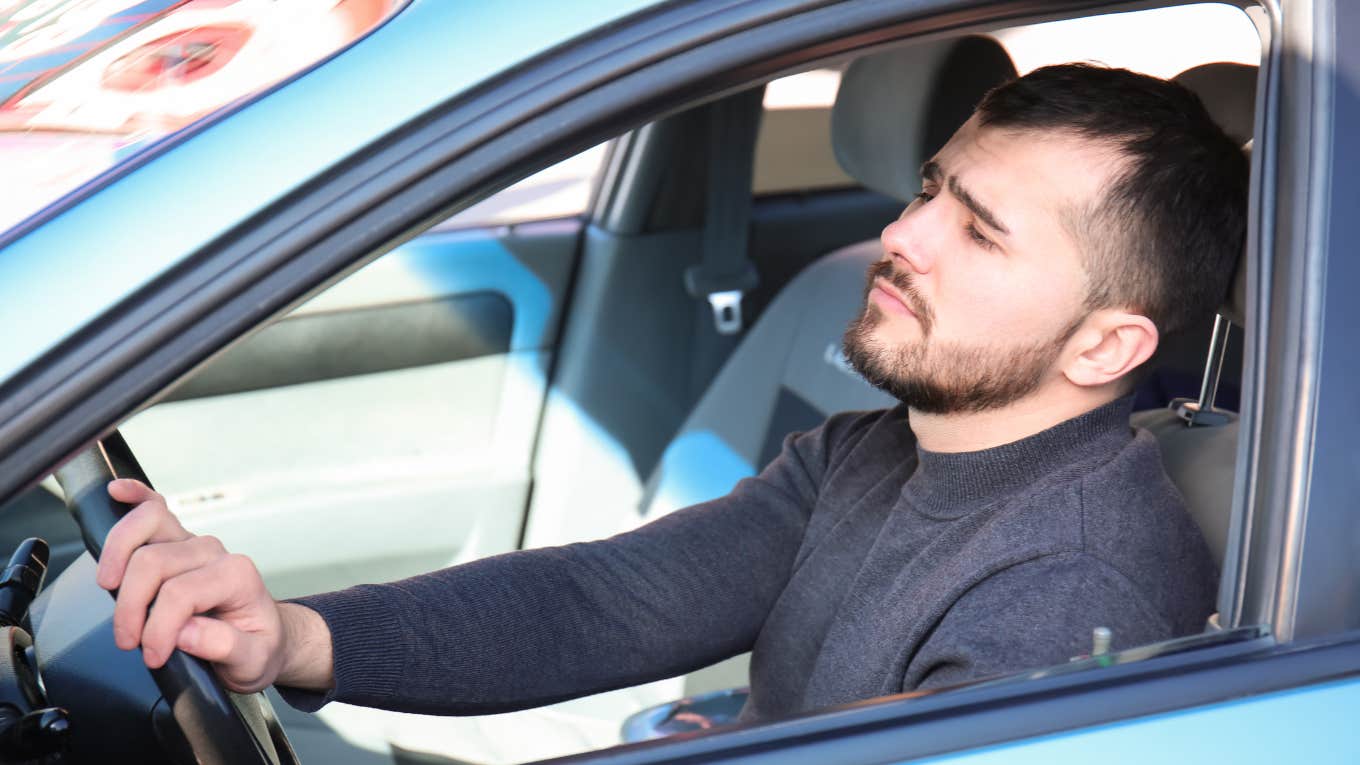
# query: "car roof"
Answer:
x=89 y=251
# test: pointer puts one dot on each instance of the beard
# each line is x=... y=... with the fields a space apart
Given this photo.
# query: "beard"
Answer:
x=943 y=378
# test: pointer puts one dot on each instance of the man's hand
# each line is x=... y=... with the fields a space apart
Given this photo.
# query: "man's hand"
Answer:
x=205 y=601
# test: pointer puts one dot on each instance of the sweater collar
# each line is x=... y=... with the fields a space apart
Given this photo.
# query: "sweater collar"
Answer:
x=952 y=484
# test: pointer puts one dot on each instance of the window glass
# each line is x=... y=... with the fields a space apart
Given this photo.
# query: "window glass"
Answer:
x=85 y=83
x=793 y=146
x=1185 y=36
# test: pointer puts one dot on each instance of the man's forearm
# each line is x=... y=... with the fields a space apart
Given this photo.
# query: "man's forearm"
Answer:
x=534 y=627
x=308 y=657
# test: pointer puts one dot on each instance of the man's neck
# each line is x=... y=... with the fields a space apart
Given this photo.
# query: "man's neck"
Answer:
x=973 y=431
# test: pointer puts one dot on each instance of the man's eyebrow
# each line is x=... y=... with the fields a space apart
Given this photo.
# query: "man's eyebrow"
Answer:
x=932 y=171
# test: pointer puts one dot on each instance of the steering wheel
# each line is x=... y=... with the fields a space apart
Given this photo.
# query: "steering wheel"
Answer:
x=218 y=726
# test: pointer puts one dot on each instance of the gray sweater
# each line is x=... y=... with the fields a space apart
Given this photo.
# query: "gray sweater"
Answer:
x=857 y=564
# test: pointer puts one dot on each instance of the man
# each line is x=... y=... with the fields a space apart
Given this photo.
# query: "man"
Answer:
x=987 y=524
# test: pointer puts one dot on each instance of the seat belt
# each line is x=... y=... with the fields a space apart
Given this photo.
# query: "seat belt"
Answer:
x=725 y=272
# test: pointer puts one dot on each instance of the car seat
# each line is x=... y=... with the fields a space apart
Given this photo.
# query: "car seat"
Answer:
x=893 y=111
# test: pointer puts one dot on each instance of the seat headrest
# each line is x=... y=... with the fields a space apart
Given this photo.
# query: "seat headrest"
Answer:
x=895 y=109
x=1228 y=92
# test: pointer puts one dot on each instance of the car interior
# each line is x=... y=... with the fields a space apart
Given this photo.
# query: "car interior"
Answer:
x=491 y=387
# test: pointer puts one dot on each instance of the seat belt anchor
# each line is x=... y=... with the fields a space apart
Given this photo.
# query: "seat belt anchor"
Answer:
x=726 y=307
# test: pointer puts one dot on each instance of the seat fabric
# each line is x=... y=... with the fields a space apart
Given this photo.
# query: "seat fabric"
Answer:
x=1201 y=461
x=787 y=375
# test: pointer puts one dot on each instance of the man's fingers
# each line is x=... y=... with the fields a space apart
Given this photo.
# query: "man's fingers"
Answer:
x=148 y=567
x=149 y=521
x=225 y=584
x=130 y=491
x=240 y=657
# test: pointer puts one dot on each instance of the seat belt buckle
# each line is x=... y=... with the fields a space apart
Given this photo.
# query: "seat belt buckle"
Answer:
x=723 y=293
x=726 y=307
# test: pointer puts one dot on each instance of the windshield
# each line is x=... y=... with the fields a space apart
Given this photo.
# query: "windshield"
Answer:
x=85 y=84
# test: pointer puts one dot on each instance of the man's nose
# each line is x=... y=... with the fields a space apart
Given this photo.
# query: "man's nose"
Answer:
x=908 y=240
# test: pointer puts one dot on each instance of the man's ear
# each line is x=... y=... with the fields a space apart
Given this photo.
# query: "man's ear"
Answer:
x=1108 y=346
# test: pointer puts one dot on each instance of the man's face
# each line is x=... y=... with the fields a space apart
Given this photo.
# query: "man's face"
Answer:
x=981 y=284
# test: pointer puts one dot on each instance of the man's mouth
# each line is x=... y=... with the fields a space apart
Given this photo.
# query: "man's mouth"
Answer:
x=889 y=298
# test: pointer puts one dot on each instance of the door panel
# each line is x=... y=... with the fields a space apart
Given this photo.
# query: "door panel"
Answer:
x=422 y=374
x=390 y=420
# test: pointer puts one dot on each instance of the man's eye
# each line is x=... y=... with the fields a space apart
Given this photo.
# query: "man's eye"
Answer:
x=925 y=196
x=978 y=238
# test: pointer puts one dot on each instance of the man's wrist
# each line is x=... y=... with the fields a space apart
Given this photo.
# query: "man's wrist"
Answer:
x=307 y=660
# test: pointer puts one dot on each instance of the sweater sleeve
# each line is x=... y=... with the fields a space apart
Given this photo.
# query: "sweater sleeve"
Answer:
x=533 y=627
x=1035 y=614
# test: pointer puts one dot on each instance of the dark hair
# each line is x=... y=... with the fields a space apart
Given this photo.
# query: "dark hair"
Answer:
x=1166 y=235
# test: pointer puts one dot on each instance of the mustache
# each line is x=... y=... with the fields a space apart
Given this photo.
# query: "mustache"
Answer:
x=902 y=282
